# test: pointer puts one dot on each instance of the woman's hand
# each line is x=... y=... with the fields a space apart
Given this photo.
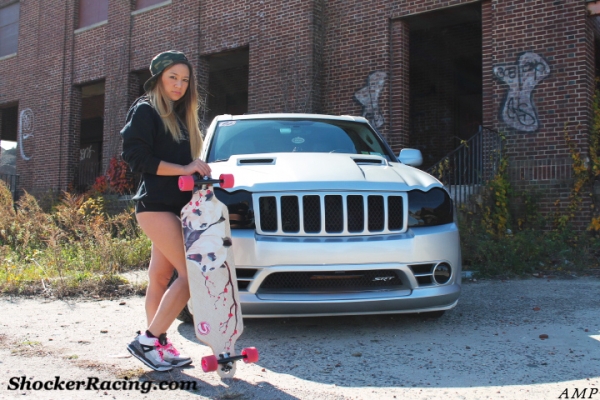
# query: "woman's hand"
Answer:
x=170 y=169
x=198 y=166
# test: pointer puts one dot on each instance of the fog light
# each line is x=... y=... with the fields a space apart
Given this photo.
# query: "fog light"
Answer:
x=442 y=273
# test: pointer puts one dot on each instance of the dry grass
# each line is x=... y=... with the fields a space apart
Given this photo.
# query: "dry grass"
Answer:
x=74 y=249
x=29 y=348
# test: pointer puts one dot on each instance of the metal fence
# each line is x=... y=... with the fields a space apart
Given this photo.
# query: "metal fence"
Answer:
x=12 y=181
x=465 y=171
x=85 y=176
x=553 y=170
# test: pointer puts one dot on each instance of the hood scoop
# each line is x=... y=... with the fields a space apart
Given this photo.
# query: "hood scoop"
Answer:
x=370 y=161
x=257 y=161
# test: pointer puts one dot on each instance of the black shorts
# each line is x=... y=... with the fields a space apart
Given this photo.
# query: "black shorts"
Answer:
x=141 y=206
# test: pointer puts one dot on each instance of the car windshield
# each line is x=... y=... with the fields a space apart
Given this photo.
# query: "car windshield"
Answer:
x=252 y=136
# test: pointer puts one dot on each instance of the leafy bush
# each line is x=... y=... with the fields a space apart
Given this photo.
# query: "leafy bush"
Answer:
x=527 y=244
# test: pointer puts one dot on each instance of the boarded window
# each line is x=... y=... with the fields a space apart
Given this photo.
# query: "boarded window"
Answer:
x=9 y=29
x=92 y=12
x=139 y=4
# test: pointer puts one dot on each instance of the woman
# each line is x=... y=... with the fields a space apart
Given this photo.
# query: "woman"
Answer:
x=162 y=140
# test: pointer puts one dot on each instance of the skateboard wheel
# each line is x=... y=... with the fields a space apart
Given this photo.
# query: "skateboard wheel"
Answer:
x=210 y=363
x=250 y=355
x=186 y=183
x=226 y=181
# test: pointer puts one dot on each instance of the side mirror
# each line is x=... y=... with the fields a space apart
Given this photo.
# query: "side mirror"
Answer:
x=412 y=157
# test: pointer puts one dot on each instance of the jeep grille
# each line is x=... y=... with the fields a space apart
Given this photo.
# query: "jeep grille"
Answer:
x=315 y=214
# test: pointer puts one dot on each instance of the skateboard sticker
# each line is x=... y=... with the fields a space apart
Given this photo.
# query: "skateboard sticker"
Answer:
x=204 y=328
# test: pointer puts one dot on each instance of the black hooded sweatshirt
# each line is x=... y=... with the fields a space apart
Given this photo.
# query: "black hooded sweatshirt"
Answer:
x=146 y=143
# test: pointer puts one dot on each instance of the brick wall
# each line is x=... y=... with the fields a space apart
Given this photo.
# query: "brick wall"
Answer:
x=304 y=56
x=399 y=120
x=560 y=35
x=357 y=44
x=281 y=74
x=36 y=79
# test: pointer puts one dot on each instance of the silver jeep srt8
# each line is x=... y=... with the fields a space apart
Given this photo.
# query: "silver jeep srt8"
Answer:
x=326 y=220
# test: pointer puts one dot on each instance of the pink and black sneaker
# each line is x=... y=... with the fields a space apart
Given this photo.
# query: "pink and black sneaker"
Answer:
x=170 y=353
x=147 y=350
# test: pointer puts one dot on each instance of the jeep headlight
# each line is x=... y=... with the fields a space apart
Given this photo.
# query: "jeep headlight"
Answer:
x=429 y=208
x=239 y=205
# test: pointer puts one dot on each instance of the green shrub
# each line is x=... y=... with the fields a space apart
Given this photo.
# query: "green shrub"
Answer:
x=529 y=246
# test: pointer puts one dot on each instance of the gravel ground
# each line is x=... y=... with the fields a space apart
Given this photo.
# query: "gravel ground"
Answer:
x=517 y=339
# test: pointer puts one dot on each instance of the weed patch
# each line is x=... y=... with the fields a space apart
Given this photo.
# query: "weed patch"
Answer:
x=528 y=251
x=499 y=241
x=75 y=248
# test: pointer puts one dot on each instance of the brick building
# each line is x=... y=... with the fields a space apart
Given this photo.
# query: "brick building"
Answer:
x=427 y=73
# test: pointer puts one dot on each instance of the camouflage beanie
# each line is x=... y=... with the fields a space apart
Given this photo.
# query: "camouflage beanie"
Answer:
x=162 y=61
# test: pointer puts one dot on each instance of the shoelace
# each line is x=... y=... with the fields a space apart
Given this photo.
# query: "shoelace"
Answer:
x=161 y=350
x=158 y=347
x=171 y=349
x=166 y=348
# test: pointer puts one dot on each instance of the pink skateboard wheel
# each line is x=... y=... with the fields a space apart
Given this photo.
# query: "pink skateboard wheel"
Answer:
x=251 y=354
x=186 y=183
x=226 y=181
x=209 y=363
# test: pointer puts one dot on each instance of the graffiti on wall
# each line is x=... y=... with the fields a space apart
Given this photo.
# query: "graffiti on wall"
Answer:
x=25 y=130
x=368 y=98
x=85 y=154
x=518 y=110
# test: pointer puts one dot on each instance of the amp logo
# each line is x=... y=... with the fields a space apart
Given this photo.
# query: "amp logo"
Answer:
x=579 y=393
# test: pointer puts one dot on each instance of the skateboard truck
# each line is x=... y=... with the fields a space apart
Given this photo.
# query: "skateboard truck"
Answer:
x=227 y=362
x=189 y=182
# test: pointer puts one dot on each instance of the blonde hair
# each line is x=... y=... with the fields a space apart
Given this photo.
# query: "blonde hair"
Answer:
x=187 y=107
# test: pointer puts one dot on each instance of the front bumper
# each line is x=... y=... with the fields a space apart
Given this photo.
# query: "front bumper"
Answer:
x=257 y=257
x=418 y=300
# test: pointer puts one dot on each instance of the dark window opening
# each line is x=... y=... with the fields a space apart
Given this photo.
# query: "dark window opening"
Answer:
x=9 y=29
x=227 y=84
x=142 y=77
x=8 y=141
x=92 y=12
x=597 y=61
x=446 y=105
x=91 y=135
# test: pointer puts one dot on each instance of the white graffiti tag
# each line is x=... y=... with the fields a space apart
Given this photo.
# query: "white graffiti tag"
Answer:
x=25 y=130
x=368 y=97
x=85 y=154
x=522 y=77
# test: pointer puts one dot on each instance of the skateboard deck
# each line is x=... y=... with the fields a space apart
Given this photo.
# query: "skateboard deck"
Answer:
x=215 y=302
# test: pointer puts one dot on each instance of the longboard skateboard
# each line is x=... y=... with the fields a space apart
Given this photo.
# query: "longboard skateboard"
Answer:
x=215 y=302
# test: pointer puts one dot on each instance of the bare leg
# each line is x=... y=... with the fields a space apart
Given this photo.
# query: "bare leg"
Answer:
x=165 y=232
x=159 y=275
